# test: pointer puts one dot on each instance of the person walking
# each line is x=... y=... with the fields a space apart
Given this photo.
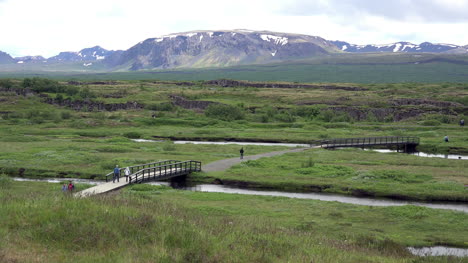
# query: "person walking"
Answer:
x=446 y=138
x=462 y=123
x=64 y=188
x=242 y=153
x=71 y=187
x=116 y=174
x=127 y=173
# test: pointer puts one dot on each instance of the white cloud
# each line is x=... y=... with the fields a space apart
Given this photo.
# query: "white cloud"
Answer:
x=48 y=27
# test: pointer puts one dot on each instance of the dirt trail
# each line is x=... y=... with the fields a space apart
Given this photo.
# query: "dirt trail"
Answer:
x=225 y=164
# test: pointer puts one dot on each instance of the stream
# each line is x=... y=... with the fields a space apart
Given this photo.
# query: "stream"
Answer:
x=214 y=188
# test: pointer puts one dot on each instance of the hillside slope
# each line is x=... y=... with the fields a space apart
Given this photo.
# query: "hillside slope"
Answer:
x=199 y=49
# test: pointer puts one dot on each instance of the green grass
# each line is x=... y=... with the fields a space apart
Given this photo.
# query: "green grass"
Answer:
x=344 y=68
x=146 y=223
x=354 y=172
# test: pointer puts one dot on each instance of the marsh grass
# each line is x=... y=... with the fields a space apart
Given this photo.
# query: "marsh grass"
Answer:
x=353 y=171
x=149 y=223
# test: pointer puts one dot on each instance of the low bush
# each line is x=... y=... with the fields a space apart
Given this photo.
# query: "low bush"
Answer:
x=224 y=112
x=132 y=135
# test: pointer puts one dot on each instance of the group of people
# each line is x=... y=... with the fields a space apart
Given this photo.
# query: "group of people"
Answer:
x=117 y=174
x=68 y=187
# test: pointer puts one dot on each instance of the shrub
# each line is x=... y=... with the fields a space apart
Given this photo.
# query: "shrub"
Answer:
x=65 y=115
x=165 y=106
x=224 y=112
x=132 y=135
x=168 y=147
x=306 y=111
x=285 y=117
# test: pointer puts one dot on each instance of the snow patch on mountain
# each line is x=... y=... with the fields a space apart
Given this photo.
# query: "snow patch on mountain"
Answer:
x=397 y=47
x=278 y=40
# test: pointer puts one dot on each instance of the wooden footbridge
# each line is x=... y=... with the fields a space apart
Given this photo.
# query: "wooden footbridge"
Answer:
x=406 y=143
x=143 y=173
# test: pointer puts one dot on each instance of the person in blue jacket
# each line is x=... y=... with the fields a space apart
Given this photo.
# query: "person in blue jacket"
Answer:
x=116 y=174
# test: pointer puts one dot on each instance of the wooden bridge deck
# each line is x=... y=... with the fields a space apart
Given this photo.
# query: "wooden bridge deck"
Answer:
x=152 y=172
x=408 y=143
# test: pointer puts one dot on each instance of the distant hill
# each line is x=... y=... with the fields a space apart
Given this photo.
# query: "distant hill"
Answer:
x=229 y=48
x=6 y=58
x=405 y=47
x=88 y=54
x=30 y=59
x=200 y=49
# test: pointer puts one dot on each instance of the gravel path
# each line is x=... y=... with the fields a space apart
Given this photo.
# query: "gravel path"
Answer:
x=225 y=164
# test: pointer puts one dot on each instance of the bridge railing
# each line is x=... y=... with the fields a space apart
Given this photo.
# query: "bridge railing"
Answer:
x=368 y=141
x=135 y=168
x=165 y=171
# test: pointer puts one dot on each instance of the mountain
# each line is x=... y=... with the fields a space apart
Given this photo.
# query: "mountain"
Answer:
x=30 y=59
x=198 y=49
x=204 y=49
x=5 y=58
x=87 y=54
x=406 y=47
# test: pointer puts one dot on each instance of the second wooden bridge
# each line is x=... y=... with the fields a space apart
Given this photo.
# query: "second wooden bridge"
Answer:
x=406 y=143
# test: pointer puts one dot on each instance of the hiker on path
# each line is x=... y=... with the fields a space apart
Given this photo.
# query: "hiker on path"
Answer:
x=116 y=174
x=127 y=173
x=446 y=138
x=64 y=188
x=71 y=187
x=242 y=153
x=462 y=123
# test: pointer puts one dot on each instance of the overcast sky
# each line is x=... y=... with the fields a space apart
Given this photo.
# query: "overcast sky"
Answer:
x=47 y=27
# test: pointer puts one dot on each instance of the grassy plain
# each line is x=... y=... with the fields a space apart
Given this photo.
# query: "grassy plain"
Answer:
x=144 y=223
x=342 y=68
x=157 y=224
x=48 y=140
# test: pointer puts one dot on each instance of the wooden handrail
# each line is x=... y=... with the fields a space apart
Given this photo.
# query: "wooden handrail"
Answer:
x=368 y=141
x=165 y=170
x=135 y=168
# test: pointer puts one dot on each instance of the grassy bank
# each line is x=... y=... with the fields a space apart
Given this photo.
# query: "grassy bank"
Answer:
x=145 y=223
x=355 y=172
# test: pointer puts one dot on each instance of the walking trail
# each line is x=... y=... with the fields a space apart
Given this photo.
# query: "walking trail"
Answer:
x=217 y=166
x=225 y=164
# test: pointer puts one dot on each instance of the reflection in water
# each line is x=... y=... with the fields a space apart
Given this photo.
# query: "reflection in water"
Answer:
x=439 y=251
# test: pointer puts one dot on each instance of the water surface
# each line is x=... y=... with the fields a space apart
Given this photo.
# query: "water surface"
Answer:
x=439 y=251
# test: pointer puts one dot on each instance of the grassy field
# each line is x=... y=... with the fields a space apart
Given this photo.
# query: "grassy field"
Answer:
x=47 y=140
x=148 y=223
x=43 y=136
x=343 y=68
x=355 y=172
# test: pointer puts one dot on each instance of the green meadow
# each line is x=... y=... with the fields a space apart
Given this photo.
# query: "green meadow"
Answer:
x=146 y=223
x=56 y=129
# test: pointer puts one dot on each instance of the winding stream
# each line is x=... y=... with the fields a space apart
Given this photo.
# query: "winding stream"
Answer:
x=213 y=188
